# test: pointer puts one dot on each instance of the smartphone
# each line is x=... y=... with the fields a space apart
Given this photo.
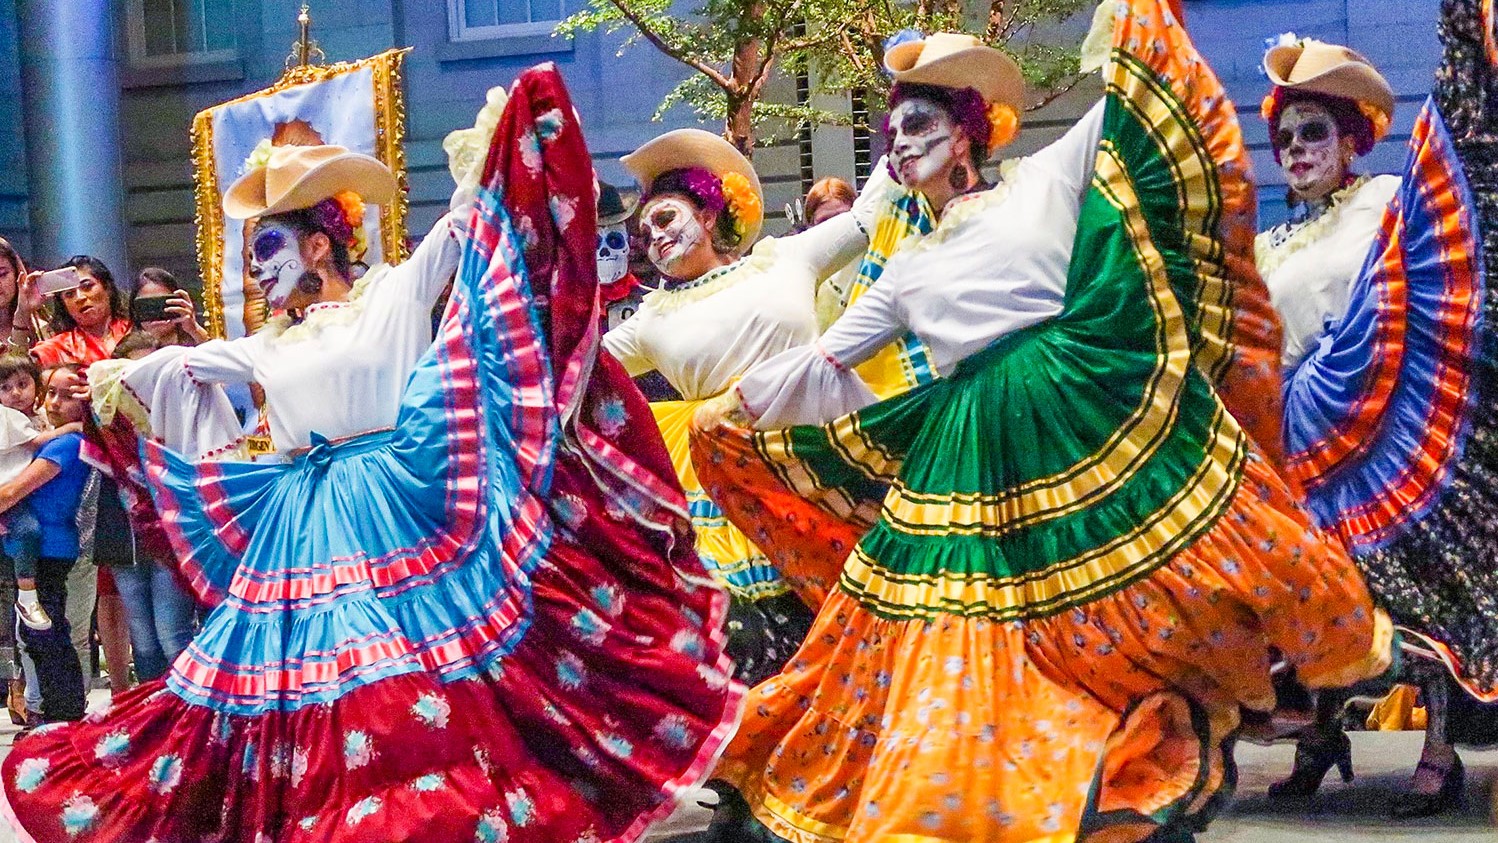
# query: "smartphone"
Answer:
x=59 y=280
x=150 y=309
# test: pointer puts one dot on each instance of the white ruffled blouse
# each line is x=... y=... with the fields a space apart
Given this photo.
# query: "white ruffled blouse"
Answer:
x=1309 y=268
x=703 y=335
x=339 y=372
x=996 y=262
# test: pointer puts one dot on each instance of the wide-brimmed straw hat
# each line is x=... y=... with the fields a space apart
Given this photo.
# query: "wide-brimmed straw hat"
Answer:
x=684 y=148
x=959 y=60
x=1331 y=69
x=298 y=177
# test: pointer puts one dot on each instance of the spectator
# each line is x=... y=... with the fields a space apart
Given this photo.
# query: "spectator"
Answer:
x=19 y=334
x=181 y=327
x=52 y=485
x=87 y=321
x=828 y=198
x=19 y=442
x=159 y=610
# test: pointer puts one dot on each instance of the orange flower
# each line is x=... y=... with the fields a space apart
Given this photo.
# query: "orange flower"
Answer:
x=1003 y=125
x=742 y=201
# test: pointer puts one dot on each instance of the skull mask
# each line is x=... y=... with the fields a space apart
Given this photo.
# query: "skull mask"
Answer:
x=613 y=253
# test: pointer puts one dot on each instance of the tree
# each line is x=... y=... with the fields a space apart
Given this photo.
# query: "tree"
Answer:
x=734 y=46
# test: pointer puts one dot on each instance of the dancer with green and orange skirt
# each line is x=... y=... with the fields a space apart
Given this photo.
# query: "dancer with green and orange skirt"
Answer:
x=1079 y=562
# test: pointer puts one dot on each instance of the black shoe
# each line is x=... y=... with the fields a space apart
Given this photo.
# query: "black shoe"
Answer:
x=1453 y=788
x=1314 y=757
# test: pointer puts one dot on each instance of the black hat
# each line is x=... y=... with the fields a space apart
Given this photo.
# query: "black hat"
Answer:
x=615 y=207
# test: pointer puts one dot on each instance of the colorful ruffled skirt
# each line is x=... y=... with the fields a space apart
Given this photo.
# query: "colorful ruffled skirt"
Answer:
x=1078 y=563
x=485 y=624
x=1391 y=424
x=767 y=620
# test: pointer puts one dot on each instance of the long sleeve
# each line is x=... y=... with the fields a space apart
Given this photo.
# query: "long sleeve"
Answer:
x=816 y=383
x=425 y=274
x=161 y=398
x=828 y=247
x=623 y=342
x=1071 y=157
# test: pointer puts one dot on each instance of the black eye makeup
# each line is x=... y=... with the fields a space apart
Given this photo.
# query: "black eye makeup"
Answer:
x=1311 y=131
x=267 y=244
x=614 y=240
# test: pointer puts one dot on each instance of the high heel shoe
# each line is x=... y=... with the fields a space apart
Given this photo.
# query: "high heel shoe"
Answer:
x=1314 y=756
x=1453 y=788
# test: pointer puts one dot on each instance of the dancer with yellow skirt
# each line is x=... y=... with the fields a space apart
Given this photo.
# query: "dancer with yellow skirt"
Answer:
x=718 y=312
x=1081 y=561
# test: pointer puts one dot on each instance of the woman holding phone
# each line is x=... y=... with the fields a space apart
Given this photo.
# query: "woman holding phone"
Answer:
x=87 y=320
x=161 y=308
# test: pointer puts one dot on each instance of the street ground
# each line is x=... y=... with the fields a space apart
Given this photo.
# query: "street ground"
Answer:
x=1342 y=813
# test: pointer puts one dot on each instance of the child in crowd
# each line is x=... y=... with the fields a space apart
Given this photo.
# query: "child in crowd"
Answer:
x=22 y=436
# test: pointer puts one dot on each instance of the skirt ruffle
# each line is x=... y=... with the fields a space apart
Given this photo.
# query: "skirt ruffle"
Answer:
x=1110 y=715
x=767 y=620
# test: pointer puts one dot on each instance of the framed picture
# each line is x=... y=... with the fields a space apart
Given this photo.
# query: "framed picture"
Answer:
x=358 y=105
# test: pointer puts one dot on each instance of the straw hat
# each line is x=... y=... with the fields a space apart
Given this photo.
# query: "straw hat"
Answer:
x=959 y=60
x=1329 y=69
x=683 y=148
x=298 y=177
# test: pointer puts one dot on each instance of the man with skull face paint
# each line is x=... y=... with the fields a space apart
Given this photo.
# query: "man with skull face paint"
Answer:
x=1008 y=655
x=717 y=313
x=461 y=609
x=1380 y=291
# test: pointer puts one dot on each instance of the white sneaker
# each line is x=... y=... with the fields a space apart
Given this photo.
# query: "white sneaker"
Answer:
x=34 y=616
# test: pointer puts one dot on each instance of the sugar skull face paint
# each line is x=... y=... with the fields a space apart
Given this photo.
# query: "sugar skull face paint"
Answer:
x=276 y=262
x=1311 y=150
x=674 y=230
x=921 y=147
x=613 y=253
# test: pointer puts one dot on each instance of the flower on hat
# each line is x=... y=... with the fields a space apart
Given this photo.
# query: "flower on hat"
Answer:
x=1003 y=125
x=742 y=202
x=259 y=156
x=1376 y=118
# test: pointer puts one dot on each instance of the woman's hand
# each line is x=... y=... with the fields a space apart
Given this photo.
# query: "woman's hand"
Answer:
x=180 y=309
x=29 y=298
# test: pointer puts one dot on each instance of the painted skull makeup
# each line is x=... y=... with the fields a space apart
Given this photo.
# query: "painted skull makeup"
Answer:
x=613 y=253
x=1311 y=153
x=674 y=230
x=276 y=262
x=921 y=147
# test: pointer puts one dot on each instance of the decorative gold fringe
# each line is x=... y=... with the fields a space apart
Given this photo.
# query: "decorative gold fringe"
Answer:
x=390 y=149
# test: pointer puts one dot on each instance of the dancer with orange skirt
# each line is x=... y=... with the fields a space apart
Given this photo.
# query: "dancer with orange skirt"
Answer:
x=1081 y=562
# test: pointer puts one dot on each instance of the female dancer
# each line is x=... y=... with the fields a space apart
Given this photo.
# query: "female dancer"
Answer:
x=480 y=621
x=715 y=315
x=1082 y=561
x=1381 y=285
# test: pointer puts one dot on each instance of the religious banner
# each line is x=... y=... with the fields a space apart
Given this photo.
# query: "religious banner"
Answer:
x=358 y=105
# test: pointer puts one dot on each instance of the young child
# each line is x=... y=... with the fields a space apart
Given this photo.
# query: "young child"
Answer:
x=20 y=439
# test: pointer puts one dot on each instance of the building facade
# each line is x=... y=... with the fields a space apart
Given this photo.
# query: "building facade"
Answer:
x=175 y=57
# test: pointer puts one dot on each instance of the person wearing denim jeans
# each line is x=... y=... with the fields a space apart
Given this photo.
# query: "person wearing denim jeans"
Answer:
x=160 y=613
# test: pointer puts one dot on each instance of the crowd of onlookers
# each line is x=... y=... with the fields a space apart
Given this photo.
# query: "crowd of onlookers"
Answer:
x=87 y=585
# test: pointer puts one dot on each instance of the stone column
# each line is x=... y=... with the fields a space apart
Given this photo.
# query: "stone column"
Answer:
x=71 y=102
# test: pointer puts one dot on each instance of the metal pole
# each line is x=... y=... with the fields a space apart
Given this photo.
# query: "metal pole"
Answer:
x=71 y=108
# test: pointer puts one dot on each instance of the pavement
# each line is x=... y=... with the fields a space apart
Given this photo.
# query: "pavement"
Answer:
x=1340 y=813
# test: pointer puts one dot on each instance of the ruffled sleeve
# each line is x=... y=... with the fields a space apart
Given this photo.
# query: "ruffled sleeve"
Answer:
x=815 y=383
x=623 y=342
x=173 y=396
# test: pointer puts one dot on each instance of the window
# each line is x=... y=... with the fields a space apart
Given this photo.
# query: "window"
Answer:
x=473 y=20
x=164 y=33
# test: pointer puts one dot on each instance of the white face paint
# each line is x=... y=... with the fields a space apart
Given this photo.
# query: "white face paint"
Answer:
x=674 y=230
x=276 y=262
x=613 y=253
x=1310 y=150
x=922 y=147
